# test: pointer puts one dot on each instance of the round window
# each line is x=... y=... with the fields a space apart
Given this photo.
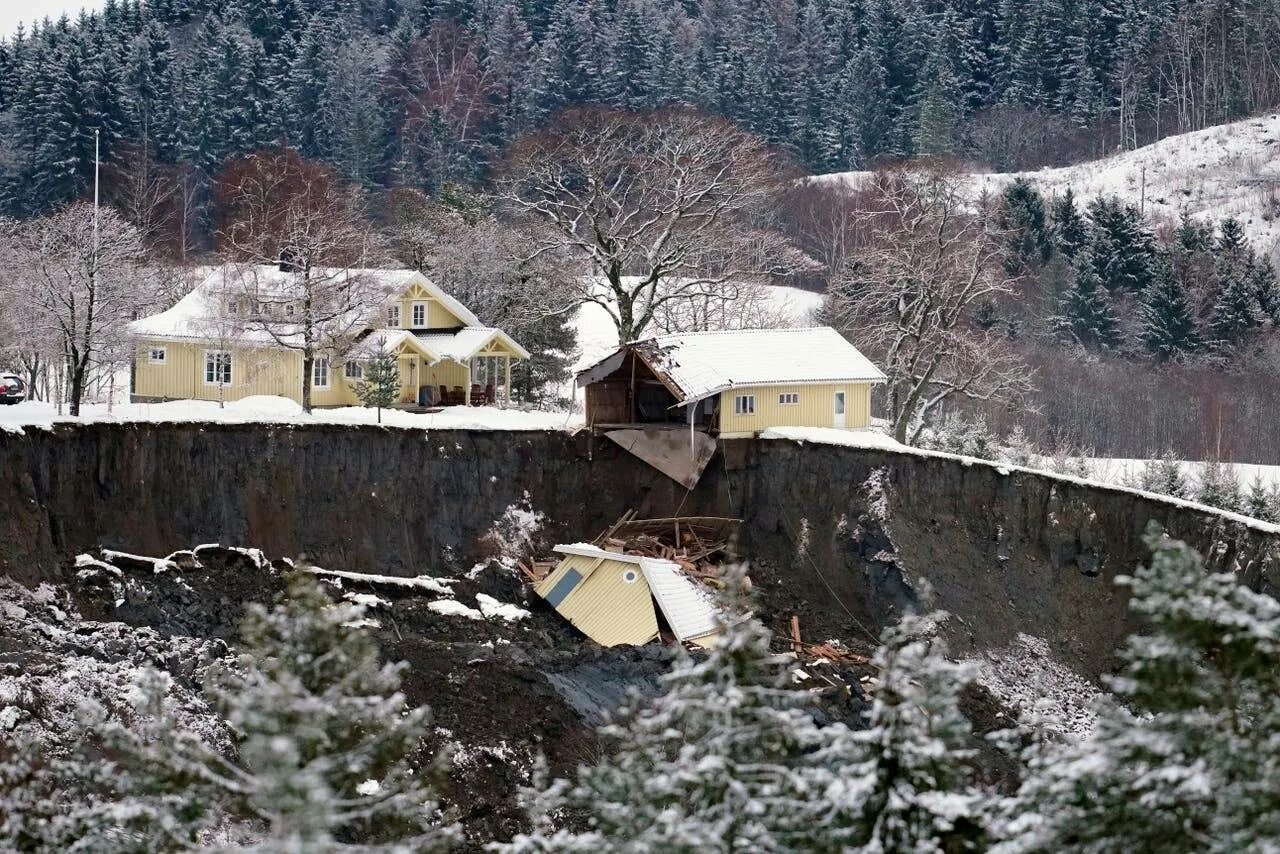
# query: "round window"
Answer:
x=630 y=576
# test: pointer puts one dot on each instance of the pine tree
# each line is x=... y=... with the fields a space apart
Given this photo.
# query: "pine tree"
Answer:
x=1168 y=325
x=1122 y=248
x=1184 y=760
x=323 y=739
x=380 y=386
x=1266 y=290
x=1169 y=476
x=716 y=762
x=907 y=782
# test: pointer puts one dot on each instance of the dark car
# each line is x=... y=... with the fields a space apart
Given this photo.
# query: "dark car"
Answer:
x=12 y=389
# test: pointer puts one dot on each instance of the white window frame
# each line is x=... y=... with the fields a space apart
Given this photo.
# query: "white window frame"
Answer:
x=393 y=316
x=414 y=323
x=320 y=368
x=359 y=369
x=162 y=359
x=211 y=357
x=788 y=398
x=744 y=404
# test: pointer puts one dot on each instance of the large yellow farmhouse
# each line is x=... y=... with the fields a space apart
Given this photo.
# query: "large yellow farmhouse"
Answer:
x=214 y=343
x=735 y=383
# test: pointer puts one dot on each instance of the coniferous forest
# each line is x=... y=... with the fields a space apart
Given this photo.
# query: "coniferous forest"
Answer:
x=423 y=92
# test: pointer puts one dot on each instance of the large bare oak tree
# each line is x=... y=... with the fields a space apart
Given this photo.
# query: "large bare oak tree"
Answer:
x=665 y=207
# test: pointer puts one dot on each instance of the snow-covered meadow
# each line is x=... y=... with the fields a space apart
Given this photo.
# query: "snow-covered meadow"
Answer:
x=1226 y=170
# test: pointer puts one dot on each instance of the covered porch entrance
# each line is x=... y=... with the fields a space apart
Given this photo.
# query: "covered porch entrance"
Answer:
x=478 y=373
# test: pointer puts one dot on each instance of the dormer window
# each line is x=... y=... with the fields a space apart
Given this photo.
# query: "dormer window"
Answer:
x=419 y=315
x=393 y=316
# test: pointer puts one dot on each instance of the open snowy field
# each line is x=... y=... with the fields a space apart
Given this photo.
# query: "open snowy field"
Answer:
x=279 y=410
x=1226 y=170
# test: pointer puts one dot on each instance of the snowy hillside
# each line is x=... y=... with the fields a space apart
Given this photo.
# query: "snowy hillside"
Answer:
x=1227 y=170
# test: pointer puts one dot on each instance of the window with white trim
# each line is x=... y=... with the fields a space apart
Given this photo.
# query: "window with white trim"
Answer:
x=393 y=315
x=217 y=367
x=418 y=317
x=320 y=372
x=744 y=404
x=789 y=398
x=158 y=356
x=288 y=309
x=353 y=369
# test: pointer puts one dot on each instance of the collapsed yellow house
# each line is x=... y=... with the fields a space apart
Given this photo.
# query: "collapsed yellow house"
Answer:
x=618 y=599
x=734 y=383
x=214 y=344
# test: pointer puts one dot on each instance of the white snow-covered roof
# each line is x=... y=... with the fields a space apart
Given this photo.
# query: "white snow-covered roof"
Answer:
x=687 y=608
x=196 y=316
x=700 y=364
x=465 y=343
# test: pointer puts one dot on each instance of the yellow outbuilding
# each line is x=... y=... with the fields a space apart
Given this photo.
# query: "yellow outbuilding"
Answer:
x=619 y=599
x=734 y=383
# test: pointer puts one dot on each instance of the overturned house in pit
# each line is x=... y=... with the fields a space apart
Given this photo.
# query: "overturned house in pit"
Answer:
x=618 y=599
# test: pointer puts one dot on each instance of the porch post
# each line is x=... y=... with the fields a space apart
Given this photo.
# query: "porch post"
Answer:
x=466 y=389
x=506 y=386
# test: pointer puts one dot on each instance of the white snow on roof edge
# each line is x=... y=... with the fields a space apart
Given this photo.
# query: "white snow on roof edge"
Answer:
x=870 y=440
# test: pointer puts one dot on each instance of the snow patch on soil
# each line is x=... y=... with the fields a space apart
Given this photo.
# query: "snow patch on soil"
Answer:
x=492 y=608
x=1025 y=677
x=454 y=608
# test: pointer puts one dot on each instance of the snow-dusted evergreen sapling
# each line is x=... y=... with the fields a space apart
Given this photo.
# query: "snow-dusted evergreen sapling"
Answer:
x=718 y=762
x=323 y=739
x=1262 y=502
x=381 y=383
x=907 y=782
x=1187 y=759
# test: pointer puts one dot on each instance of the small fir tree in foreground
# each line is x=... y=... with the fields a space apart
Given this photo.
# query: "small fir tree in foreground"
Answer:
x=1187 y=757
x=380 y=385
x=907 y=782
x=323 y=738
x=716 y=763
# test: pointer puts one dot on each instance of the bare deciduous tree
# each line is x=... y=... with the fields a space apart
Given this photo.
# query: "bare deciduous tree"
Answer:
x=79 y=284
x=926 y=263
x=665 y=206
x=300 y=236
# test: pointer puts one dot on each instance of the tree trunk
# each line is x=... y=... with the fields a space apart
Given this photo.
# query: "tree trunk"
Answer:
x=308 y=365
x=78 y=370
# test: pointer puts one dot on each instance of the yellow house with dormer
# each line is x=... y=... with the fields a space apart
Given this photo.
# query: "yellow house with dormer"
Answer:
x=214 y=344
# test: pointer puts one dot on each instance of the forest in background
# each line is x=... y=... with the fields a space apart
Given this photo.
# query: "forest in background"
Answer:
x=401 y=93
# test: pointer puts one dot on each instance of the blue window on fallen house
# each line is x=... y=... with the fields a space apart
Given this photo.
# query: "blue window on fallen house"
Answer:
x=564 y=587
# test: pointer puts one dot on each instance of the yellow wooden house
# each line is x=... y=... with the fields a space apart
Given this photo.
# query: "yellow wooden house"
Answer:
x=212 y=344
x=734 y=383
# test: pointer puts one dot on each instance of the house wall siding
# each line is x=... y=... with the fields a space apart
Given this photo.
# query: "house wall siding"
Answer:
x=604 y=606
x=815 y=408
x=438 y=317
x=253 y=371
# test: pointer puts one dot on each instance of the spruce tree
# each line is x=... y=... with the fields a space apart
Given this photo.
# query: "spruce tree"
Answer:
x=1235 y=311
x=1122 y=250
x=1219 y=486
x=907 y=782
x=717 y=762
x=1185 y=758
x=1262 y=502
x=1085 y=314
x=323 y=739
x=1070 y=229
x=380 y=386
x=1022 y=218
x=1168 y=325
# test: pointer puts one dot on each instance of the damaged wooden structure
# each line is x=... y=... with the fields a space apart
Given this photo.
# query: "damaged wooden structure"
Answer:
x=620 y=599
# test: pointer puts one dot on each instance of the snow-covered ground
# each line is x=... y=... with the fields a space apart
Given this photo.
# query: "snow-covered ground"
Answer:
x=280 y=410
x=1226 y=170
x=1121 y=471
